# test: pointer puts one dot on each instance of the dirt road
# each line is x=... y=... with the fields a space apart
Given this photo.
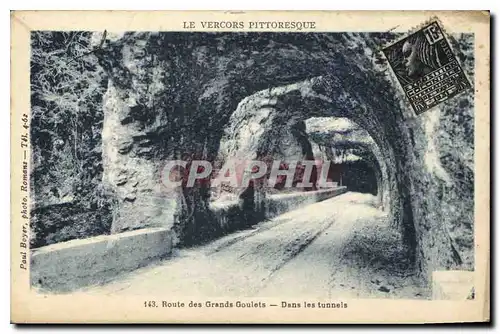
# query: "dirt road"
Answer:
x=340 y=247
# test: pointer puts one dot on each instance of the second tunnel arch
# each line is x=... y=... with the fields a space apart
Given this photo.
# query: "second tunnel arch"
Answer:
x=262 y=120
x=339 y=135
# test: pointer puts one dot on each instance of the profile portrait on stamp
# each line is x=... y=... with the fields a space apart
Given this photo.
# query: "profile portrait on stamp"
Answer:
x=426 y=67
x=421 y=58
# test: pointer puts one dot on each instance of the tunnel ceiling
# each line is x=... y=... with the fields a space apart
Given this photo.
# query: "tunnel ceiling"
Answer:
x=220 y=69
x=344 y=138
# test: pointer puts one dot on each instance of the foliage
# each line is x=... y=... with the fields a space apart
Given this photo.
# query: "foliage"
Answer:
x=67 y=86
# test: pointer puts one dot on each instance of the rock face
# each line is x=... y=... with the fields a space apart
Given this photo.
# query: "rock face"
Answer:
x=444 y=185
x=182 y=96
x=135 y=175
x=258 y=131
x=65 y=170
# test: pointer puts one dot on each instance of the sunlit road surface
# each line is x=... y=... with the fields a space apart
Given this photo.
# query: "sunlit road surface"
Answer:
x=340 y=247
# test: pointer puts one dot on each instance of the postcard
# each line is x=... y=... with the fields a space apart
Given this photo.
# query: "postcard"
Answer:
x=250 y=167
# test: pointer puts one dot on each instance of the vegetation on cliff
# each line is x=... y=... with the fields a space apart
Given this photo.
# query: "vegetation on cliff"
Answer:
x=67 y=85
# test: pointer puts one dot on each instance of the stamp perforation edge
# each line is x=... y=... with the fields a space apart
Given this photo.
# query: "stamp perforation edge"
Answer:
x=406 y=35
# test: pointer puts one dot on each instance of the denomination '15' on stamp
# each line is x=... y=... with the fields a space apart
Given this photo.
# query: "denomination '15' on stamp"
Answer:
x=426 y=67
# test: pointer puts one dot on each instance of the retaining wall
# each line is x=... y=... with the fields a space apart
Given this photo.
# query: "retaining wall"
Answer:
x=67 y=266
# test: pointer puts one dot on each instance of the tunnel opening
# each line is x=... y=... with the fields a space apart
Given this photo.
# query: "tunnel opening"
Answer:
x=290 y=124
x=357 y=176
x=357 y=161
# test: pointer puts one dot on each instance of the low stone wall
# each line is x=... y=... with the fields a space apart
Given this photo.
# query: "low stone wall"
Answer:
x=230 y=217
x=70 y=265
x=278 y=204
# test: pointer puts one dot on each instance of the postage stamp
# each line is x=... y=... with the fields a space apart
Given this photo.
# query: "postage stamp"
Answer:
x=426 y=67
x=249 y=167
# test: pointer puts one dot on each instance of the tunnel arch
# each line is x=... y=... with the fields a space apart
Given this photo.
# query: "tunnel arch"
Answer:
x=286 y=105
x=347 y=135
x=177 y=92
